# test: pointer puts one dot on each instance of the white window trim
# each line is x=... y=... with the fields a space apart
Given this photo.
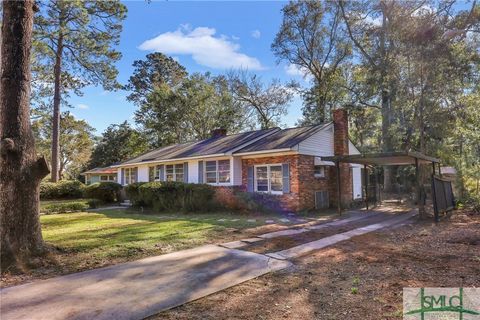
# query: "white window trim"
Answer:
x=268 y=177
x=174 y=172
x=156 y=172
x=217 y=173
x=130 y=169
x=316 y=175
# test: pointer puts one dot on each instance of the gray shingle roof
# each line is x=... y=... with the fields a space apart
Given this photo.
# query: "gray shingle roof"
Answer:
x=286 y=138
x=205 y=147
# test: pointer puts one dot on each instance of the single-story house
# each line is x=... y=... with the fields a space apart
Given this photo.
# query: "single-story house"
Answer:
x=107 y=174
x=282 y=166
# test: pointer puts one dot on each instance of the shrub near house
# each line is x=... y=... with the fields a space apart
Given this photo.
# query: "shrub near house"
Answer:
x=68 y=189
x=166 y=196
x=105 y=191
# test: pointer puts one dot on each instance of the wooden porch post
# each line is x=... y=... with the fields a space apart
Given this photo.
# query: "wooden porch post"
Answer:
x=365 y=175
x=339 y=194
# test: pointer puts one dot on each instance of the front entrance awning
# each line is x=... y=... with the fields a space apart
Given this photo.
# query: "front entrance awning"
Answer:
x=385 y=158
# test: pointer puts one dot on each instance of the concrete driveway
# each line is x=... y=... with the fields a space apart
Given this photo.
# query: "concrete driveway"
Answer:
x=137 y=289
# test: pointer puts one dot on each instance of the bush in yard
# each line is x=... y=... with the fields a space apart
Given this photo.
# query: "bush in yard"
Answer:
x=104 y=191
x=249 y=202
x=166 y=196
x=133 y=193
x=67 y=189
x=94 y=203
x=63 y=207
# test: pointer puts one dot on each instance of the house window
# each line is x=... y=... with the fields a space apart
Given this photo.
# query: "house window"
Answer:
x=268 y=178
x=154 y=173
x=217 y=172
x=130 y=175
x=319 y=171
x=174 y=172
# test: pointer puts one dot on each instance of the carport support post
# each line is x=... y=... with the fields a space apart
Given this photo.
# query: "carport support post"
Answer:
x=365 y=174
x=339 y=200
x=377 y=191
x=421 y=208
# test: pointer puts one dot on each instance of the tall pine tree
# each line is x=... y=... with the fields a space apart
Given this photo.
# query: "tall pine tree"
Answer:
x=73 y=42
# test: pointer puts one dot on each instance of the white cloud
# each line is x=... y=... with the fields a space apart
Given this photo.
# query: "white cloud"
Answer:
x=204 y=47
x=296 y=71
x=424 y=10
x=82 y=106
x=256 y=34
x=374 y=21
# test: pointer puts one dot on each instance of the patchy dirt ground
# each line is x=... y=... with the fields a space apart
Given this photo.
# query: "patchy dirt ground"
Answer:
x=357 y=279
x=286 y=242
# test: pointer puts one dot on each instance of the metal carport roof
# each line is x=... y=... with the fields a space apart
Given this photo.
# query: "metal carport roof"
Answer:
x=385 y=158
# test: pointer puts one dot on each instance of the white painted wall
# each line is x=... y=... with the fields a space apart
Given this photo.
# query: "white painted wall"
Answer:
x=236 y=164
x=142 y=173
x=193 y=171
x=119 y=175
x=319 y=144
x=357 y=182
x=352 y=149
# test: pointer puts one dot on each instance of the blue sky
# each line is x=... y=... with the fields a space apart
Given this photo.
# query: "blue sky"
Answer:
x=203 y=36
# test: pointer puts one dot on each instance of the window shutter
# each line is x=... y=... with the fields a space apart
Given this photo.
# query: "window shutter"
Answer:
x=250 y=179
x=200 y=171
x=286 y=177
x=185 y=172
x=161 y=170
x=122 y=177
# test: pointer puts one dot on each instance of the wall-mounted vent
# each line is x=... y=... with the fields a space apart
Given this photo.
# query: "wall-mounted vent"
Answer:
x=321 y=200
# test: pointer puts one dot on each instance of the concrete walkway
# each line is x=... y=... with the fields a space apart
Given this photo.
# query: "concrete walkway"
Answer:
x=306 y=248
x=137 y=289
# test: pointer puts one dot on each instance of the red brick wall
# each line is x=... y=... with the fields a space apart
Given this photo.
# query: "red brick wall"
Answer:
x=303 y=184
x=286 y=202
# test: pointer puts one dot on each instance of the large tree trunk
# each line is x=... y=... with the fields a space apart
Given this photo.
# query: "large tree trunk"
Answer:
x=386 y=139
x=386 y=100
x=56 y=112
x=20 y=169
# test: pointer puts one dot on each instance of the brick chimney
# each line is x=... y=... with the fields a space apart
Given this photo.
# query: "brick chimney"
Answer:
x=340 y=129
x=340 y=147
x=217 y=133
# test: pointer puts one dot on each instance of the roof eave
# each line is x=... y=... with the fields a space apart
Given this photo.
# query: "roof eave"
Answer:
x=170 y=160
x=264 y=151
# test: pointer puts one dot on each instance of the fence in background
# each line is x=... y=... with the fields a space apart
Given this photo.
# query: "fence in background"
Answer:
x=442 y=194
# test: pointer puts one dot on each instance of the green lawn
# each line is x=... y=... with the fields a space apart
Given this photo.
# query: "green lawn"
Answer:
x=93 y=238
x=45 y=203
